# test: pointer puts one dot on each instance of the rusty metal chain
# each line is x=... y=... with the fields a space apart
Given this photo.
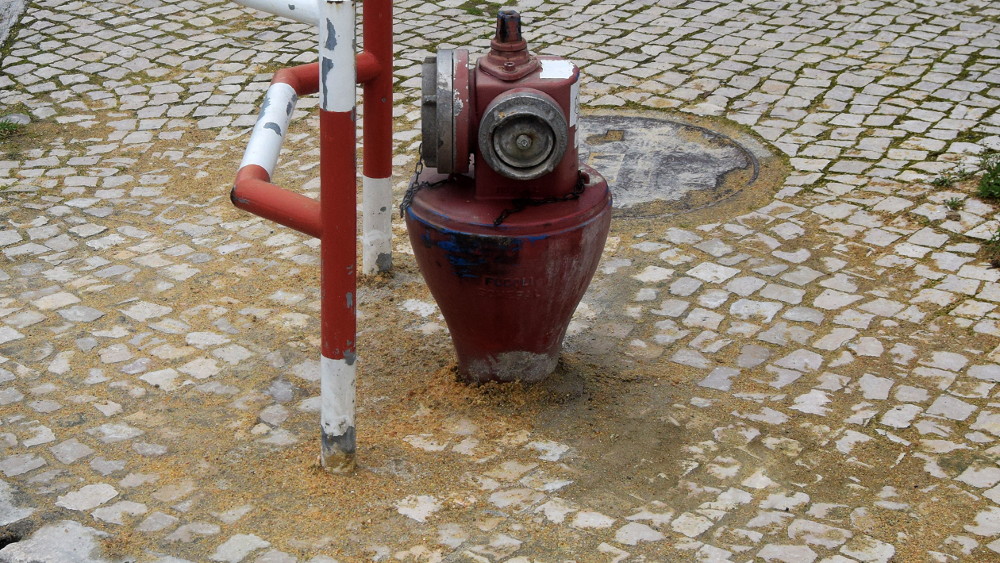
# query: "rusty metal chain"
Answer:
x=416 y=186
x=520 y=204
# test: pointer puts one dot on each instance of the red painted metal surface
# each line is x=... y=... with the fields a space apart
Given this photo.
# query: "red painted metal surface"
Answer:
x=304 y=79
x=509 y=252
x=338 y=250
x=377 y=122
x=509 y=66
x=508 y=293
x=334 y=218
x=367 y=66
x=336 y=209
x=253 y=192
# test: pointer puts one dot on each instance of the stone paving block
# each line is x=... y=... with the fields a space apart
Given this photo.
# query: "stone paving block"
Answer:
x=87 y=497
x=10 y=512
x=238 y=547
x=71 y=450
x=844 y=320
x=15 y=465
x=65 y=540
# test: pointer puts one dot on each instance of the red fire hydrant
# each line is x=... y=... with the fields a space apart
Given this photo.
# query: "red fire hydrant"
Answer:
x=509 y=239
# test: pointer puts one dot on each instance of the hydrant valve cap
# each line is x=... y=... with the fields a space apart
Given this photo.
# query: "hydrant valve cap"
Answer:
x=523 y=134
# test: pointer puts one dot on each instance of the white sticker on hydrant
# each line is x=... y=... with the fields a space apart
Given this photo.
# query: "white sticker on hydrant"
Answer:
x=556 y=68
x=574 y=103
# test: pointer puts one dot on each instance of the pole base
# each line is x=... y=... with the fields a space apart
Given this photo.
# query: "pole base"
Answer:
x=337 y=454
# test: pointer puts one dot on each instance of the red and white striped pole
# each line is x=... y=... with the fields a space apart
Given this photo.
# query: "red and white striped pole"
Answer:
x=376 y=196
x=338 y=205
x=334 y=218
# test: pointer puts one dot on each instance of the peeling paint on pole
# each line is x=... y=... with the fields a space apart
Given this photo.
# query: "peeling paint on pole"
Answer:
x=376 y=206
x=336 y=55
x=337 y=391
x=267 y=136
x=338 y=203
x=304 y=11
x=333 y=218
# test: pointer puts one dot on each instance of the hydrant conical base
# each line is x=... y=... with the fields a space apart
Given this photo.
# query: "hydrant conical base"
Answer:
x=508 y=292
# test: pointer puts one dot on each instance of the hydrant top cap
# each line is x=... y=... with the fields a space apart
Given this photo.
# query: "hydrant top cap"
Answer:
x=508 y=58
x=508 y=26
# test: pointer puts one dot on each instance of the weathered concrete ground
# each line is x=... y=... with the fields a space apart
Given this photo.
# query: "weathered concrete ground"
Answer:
x=808 y=377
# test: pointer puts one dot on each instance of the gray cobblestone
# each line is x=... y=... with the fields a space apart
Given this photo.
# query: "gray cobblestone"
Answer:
x=844 y=327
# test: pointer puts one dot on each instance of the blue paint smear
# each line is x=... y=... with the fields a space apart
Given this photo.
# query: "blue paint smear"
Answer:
x=449 y=246
x=325 y=67
x=263 y=107
x=461 y=261
x=331 y=36
x=273 y=127
x=471 y=255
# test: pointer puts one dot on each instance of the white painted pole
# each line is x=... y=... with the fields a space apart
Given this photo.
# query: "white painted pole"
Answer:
x=376 y=215
x=271 y=127
x=338 y=384
x=337 y=73
x=305 y=11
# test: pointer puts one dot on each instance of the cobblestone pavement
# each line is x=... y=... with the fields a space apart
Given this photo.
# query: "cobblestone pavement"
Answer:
x=811 y=378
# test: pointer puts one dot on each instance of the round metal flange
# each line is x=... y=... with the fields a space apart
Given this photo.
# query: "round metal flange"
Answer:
x=445 y=111
x=523 y=134
x=428 y=113
x=461 y=111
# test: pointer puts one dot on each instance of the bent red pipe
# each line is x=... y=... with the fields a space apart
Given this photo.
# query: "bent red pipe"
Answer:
x=254 y=192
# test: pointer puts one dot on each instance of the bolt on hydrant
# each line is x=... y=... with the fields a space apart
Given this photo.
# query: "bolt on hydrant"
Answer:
x=506 y=224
